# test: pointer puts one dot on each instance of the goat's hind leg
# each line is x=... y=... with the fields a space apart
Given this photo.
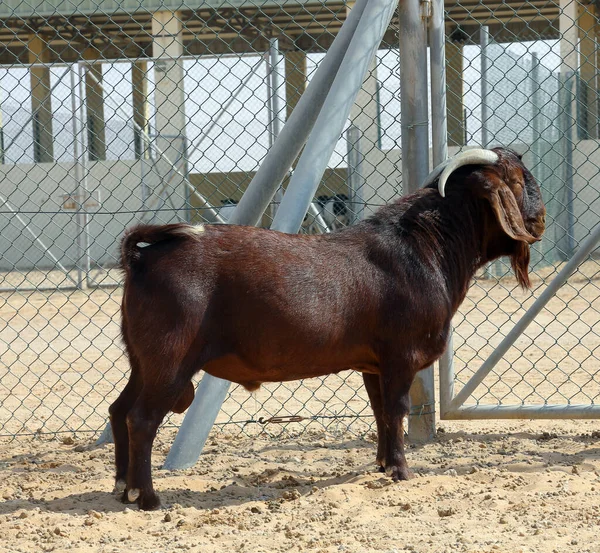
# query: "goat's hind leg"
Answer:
x=373 y=388
x=143 y=420
x=118 y=421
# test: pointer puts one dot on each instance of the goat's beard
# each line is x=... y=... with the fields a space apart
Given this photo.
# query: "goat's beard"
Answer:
x=519 y=261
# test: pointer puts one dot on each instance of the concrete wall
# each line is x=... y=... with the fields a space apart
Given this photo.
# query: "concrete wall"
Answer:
x=35 y=191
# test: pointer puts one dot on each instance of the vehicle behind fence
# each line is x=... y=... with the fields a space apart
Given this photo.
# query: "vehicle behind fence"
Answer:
x=110 y=117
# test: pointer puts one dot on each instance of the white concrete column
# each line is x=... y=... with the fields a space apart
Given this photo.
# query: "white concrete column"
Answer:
x=169 y=98
x=589 y=68
x=41 y=100
x=94 y=101
x=141 y=112
x=569 y=35
x=454 y=93
x=295 y=78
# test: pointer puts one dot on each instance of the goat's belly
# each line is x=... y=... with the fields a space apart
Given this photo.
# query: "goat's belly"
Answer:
x=252 y=375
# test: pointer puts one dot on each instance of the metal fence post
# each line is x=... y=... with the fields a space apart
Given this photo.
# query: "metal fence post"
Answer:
x=356 y=179
x=439 y=135
x=415 y=167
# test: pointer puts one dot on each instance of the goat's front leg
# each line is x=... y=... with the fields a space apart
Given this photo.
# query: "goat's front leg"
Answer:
x=373 y=388
x=395 y=387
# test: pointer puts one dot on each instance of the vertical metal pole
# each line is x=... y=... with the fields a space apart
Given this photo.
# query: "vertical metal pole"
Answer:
x=439 y=135
x=569 y=165
x=78 y=176
x=415 y=167
x=437 y=53
x=81 y=69
x=536 y=143
x=355 y=173
x=269 y=72
x=275 y=105
x=535 y=99
x=484 y=40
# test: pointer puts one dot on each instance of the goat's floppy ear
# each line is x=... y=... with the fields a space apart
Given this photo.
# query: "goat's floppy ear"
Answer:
x=506 y=209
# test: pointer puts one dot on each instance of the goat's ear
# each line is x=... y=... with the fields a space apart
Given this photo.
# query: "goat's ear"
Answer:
x=505 y=208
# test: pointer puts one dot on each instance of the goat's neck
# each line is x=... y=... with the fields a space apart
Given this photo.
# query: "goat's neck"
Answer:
x=461 y=233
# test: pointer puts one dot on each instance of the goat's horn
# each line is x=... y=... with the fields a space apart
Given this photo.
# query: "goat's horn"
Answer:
x=435 y=173
x=477 y=156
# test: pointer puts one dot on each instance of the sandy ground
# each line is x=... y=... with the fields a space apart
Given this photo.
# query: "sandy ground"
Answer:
x=493 y=486
x=480 y=487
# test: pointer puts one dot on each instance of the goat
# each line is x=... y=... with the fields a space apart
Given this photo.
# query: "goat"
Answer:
x=253 y=305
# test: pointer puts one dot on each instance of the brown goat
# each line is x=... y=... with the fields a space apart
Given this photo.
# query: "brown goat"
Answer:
x=252 y=305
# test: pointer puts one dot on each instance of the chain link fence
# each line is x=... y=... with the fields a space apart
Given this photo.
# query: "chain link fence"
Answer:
x=114 y=114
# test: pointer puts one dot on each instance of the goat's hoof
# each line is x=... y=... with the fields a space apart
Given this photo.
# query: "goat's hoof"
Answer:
x=120 y=486
x=149 y=502
x=133 y=495
x=125 y=498
x=399 y=473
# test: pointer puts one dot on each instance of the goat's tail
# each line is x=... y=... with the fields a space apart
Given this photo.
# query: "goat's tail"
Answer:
x=139 y=237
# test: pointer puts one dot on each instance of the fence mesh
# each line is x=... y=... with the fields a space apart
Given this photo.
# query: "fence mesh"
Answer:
x=113 y=115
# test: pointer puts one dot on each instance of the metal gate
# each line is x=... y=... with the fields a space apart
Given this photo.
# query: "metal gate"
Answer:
x=535 y=86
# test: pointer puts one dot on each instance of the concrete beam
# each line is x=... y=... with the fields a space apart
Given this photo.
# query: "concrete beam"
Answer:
x=454 y=93
x=41 y=100
x=94 y=100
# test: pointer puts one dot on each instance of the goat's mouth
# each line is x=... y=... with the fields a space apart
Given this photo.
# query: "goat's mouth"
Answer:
x=537 y=227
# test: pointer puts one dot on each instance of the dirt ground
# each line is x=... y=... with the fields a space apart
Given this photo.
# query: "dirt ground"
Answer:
x=496 y=486
x=482 y=486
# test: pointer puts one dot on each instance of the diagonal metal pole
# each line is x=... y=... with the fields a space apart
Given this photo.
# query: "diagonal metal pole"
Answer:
x=588 y=245
x=349 y=75
x=211 y=391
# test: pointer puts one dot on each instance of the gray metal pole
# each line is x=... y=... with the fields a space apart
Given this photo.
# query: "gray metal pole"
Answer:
x=295 y=133
x=484 y=41
x=275 y=119
x=82 y=71
x=356 y=180
x=415 y=167
x=439 y=135
x=437 y=53
x=333 y=116
x=580 y=256
x=78 y=177
x=210 y=395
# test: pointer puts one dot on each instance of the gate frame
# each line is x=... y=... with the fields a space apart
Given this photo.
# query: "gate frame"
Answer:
x=452 y=406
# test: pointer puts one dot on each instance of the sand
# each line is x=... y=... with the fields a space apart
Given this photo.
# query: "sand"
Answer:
x=481 y=486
